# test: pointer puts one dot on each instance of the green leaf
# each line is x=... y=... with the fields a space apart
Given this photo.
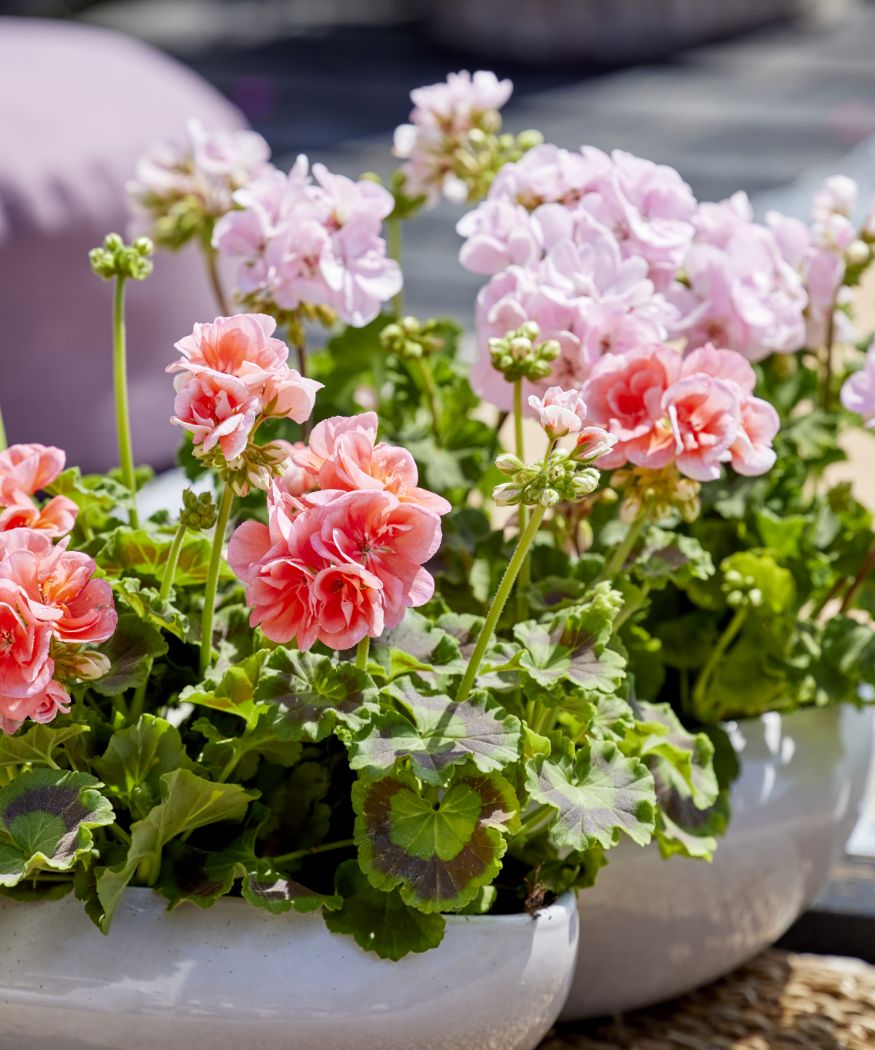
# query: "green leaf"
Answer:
x=597 y=793
x=671 y=556
x=136 y=759
x=685 y=831
x=379 y=920
x=46 y=820
x=659 y=734
x=138 y=551
x=37 y=745
x=234 y=693
x=98 y=498
x=313 y=694
x=131 y=651
x=438 y=851
x=782 y=533
x=149 y=606
x=435 y=733
x=187 y=802
x=416 y=645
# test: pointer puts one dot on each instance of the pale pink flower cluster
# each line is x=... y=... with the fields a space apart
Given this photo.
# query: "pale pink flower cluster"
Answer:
x=204 y=169
x=25 y=470
x=858 y=391
x=819 y=253
x=311 y=241
x=48 y=600
x=553 y=194
x=340 y=562
x=586 y=296
x=233 y=374
x=697 y=411
x=442 y=118
x=738 y=290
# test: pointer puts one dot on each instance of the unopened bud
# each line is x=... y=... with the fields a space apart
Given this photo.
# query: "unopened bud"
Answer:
x=508 y=463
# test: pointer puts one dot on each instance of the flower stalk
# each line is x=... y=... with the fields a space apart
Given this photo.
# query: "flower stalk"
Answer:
x=499 y=601
x=213 y=577
x=122 y=406
x=3 y=441
x=703 y=682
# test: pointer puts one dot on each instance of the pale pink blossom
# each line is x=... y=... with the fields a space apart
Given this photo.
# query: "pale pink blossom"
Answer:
x=703 y=415
x=303 y=242
x=593 y=443
x=858 y=392
x=441 y=120
x=218 y=410
x=548 y=174
x=559 y=411
x=204 y=168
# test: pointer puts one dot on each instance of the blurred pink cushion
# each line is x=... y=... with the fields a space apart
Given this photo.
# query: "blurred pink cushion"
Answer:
x=80 y=106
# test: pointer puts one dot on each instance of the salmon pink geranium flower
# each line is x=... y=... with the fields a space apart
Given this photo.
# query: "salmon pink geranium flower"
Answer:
x=24 y=471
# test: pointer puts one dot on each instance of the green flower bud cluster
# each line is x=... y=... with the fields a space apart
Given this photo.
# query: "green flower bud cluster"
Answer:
x=255 y=468
x=411 y=338
x=520 y=355
x=741 y=590
x=114 y=258
x=561 y=478
x=198 y=511
x=484 y=152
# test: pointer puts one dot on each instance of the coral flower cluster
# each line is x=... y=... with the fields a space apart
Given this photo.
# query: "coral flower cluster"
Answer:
x=50 y=607
x=697 y=411
x=302 y=240
x=231 y=375
x=349 y=532
x=26 y=470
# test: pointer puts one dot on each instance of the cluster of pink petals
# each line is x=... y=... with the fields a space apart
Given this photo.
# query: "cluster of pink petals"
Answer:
x=24 y=471
x=818 y=253
x=342 y=561
x=586 y=296
x=559 y=411
x=301 y=240
x=442 y=117
x=738 y=289
x=552 y=194
x=231 y=374
x=858 y=392
x=47 y=596
x=697 y=411
x=207 y=166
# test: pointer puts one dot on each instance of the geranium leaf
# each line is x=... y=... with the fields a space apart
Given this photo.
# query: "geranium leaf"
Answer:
x=187 y=802
x=436 y=733
x=234 y=693
x=684 y=830
x=137 y=757
x=37 y=745
x=379 y=920
x=597 y=793
x=46 y=819
x=143 y=553
x=267 y=889
x=671 y=556
x=417 y=645
x=131 y=651
x=98 y=498
x=313 y=694
x=437 y=852
x=149 y=606
x=659 y=733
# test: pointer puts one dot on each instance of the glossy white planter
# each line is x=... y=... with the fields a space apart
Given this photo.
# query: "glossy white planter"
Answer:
x=233 y=978
x=653 y=929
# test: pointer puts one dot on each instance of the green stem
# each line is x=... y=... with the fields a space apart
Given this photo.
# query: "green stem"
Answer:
x=826 y=381
x=172 y=560
x=361 y=653
x=211 y=259
x=393 y=224
x=522 y=513
x=864 y=571
x=498 y=602
x=703 y=682
x=631 y=607
x=122 y=410
x=213 y=577
x=311 y=851
x=3 y=441
x=623 y=550
x=533 y=821
x=423 y=370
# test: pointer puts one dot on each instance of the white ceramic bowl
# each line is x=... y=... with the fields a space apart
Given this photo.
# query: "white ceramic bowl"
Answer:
x=653 y=929
x=233 y=978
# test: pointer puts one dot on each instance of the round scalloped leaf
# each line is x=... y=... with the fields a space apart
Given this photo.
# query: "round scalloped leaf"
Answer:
x=46 y=817
x=597 y=793
x=438 y=853
x=436 y=733
x=314 y=694
x=685 y=758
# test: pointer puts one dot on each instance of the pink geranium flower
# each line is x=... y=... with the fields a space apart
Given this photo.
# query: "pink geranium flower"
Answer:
x=350 y=606
x=26 y=667
x=858 y=392
x=217 y=410
x=559 y=412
